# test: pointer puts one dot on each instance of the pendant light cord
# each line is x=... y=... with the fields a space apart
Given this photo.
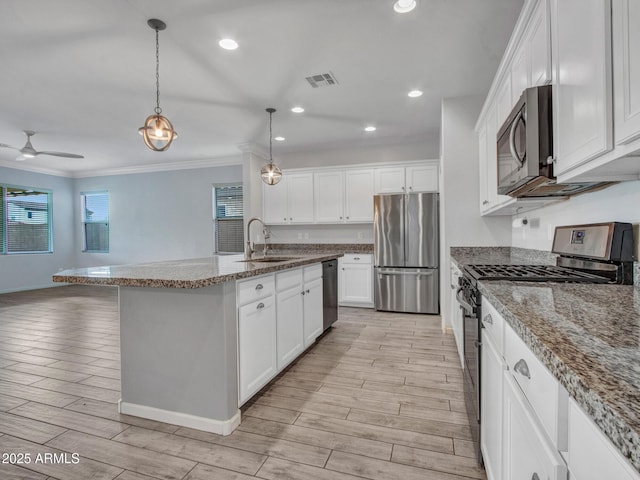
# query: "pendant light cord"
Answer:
x=270 y=138
x=158 y=110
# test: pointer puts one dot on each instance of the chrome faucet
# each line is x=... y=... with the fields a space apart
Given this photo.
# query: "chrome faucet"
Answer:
x=249 y=250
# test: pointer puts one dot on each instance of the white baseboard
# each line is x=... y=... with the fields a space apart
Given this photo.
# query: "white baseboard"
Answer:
x=221 y=427
x=34 y=287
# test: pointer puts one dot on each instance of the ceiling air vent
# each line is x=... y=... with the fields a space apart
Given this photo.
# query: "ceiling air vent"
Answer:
x=322 y=80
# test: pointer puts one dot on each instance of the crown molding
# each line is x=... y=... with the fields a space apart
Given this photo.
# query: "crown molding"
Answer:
x=161 y=167
x=27 y=167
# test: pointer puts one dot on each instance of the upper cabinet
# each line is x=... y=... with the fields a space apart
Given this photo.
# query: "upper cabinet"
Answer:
x=582 y=95
x=331 y=195
x=418 y=178
x=290 y=200
x=626 y=70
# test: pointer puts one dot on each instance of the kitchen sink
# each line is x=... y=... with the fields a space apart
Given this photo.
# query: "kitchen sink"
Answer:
x=269 y=259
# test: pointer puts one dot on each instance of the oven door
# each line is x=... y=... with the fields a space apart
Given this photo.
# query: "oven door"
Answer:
x=469 y=300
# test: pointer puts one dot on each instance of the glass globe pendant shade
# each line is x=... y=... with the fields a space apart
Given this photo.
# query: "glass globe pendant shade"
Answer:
x=271 y=174
x=157 y=132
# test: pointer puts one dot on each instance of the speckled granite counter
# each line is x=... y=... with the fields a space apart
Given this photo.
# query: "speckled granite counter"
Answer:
x=588 y=336
x=192 y=273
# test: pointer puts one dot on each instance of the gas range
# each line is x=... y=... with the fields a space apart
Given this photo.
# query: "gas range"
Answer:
x=530 y=273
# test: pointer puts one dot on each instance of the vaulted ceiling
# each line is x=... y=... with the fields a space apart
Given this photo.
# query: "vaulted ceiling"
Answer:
x=81 y=73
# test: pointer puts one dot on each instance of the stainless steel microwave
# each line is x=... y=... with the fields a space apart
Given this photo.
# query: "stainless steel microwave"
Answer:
x=525 y=141
x=525 y=150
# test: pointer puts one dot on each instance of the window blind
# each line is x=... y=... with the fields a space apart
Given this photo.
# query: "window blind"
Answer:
x=25 y=220
x=228 y=218
x=95 y=219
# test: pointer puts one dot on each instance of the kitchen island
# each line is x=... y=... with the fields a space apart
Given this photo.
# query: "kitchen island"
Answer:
x=179 y=334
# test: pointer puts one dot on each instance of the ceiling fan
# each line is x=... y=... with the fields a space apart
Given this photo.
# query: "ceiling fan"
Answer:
x=29 y=152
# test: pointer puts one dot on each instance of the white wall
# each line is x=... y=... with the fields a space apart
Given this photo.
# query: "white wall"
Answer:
x=26 y=271
x=620 y=203
x=460 y=220
x=155 y=216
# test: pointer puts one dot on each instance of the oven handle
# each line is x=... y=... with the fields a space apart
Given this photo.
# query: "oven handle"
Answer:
x=463 y=303
x=512 y=139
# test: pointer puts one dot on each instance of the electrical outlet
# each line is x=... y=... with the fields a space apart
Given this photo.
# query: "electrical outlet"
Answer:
x=306 y=235
x=360 y=235
x=551 y=230
x=299 y=235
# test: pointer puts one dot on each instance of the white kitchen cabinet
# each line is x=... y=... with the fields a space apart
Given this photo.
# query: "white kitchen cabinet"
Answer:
x=390 y=180
x=257 y=357
x=492 y=366
x=626 y=70
x=410 y=179
x=355 y=280
x=456 y=313
x=358 y=196
x=290 y=200
x=329 y=193
x=538 y=41
x=274 y=201
x=528 y=454
x=312 y=311
x=519 y=73
x=582 y=95
x=592 y=456
x=504 y=103
x=488 y=158
x=289 y=315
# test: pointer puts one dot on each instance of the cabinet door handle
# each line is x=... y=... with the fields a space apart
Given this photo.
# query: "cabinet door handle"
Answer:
x=285 y=219
x=488 y=319
x=259 y=286
x=347 y=218
x=342 y=268
x=302 y=292
x=410 y=188
x=259 y=306
x=340 y=218
x=290 y=218
x=486 y=202
x=307 y=290
x=402 y=188
x=522 y=368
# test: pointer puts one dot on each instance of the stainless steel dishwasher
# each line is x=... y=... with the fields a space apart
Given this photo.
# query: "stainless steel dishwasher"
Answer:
x=329 y=292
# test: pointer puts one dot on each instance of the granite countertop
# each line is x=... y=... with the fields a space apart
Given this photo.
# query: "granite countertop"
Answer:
x=587 y=335
x=191 y=273
x=314 y=248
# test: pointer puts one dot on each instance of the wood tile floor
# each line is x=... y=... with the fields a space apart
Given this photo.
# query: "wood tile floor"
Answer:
x=379 y=397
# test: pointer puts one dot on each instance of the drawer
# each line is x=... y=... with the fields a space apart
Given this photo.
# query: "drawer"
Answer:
x=493 y=325
x=289 y=279
x=545 y=394
x=254 y=288
x=591 y=454
x=356 y=258
x=312 y=272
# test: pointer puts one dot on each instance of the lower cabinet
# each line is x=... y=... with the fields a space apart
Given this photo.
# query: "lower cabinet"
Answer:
x=355 y=280
x=592 y=456
x=528 y=453
x=312 y=311
x=257 y=357
x=276 y=324
x=456 y=313
x=492 y=367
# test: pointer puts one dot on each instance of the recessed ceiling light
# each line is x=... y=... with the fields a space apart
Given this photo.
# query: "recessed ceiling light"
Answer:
x=279 y=139
x=228 y=44
x=404 y=6
x=415 y=93
x=370 y=128
x=297 y=109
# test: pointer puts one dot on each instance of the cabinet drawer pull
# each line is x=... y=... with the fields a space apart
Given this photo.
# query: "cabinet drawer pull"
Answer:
x=259 y=306
x=486 y=202
x=259 y=286
x=535 y=476
x=356 y=258
x=488 y=319
x=522 y=368
x=307 y=290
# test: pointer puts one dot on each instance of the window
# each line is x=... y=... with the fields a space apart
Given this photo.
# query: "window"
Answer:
x=25 y=220
x=95 y=221
x=227 y=218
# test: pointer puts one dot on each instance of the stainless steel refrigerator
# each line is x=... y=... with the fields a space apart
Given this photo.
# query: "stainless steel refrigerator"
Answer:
x=405 y=233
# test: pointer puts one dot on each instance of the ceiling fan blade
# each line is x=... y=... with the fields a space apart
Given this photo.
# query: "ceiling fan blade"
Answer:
x=60 y=154
x=9 y=146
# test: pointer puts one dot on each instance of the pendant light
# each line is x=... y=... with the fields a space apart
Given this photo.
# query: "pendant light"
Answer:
x=271 y=173
x=157 y=132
